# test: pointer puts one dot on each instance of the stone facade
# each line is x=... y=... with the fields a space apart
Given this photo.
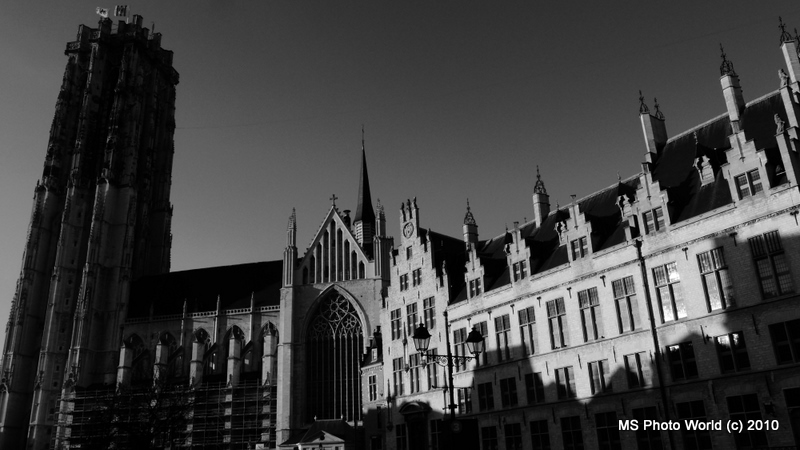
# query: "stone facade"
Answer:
x=670 y=295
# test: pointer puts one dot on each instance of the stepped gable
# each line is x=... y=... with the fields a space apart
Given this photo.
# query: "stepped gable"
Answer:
x=448 y=255
x=200 y=288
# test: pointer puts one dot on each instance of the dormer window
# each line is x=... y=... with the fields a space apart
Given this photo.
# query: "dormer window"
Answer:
x=474 y=287
x=654 y=220
x=580 y=248
x=520 y=270
x=748 y=184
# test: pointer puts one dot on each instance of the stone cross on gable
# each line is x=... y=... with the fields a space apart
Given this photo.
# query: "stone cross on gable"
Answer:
x=333 y=199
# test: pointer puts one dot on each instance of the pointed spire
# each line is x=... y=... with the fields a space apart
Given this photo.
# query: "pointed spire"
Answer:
x=292 y=221
x=469 y=219
x=726 y=68
x=364 y=211
x=538 y=188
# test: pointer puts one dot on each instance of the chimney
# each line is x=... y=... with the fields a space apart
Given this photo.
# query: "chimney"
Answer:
x=732 y=91
x=653 y=128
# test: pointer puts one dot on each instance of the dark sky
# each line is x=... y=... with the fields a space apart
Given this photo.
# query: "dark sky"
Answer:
x=459 y=99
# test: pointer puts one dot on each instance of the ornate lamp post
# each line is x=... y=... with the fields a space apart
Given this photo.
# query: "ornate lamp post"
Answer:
x=422 y=339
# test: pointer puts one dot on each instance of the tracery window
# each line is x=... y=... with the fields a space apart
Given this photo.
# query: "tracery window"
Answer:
x=335 y=339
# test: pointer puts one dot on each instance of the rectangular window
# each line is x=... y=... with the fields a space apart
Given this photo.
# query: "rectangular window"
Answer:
x=429 y=312
x=654 y=220
x=626 y=305
x=412 y=320
x=748 y=184
x=534 y=388
x=433 y=373
x=416 y=277
x=474 y=287
x=717 y=282
x=508 y=392
x=786 y=341
x=565 y=381
x=464 y=400
x=409 y=252
x=459 y=347
x=744 y=409
x=557 y=318
x=599 y=378
x=397 y=324
x=527 y=329
x=513 y=435
x=638 y=370
x=436 y=434
x=681 y=361
x=489 y=438
x=404 y=282
x=502 y=327
x=607 y=431
x=397 y=375
x=483 y=329
x=774 y=276
x=695 y=439
x=591 y=319
x=413 y=372
x=670 y=295
x=647 y=439
x=571 y=434
x=485 y=397
x=520 y=270
x=732 y=352
x=373 y=388
x=580 y=248
x=401 y=438
x=540 y=437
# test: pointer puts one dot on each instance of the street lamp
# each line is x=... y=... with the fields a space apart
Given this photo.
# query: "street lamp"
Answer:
x=422 y=339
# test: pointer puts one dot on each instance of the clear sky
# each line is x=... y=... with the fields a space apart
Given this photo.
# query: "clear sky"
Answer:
x=459 y=99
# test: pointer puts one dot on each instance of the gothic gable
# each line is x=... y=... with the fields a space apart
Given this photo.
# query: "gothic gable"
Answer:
x=334 y=254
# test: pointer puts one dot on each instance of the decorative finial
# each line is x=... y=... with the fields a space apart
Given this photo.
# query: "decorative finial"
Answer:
x=643 y=109
x=784 y=77
x=379 y=207
x=292 y=219
x=539 y=188
x=781 y=125
x=726 y=68
x=333 y=200
x=619 y=178
x=469 y=219
x=659 y=114
x=785 y=37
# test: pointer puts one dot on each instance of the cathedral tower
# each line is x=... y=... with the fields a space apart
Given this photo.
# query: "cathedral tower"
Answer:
x=101 y=218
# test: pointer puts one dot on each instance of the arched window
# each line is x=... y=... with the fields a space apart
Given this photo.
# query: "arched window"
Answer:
x=353 y=263
x=346 y=261
x=312 y=264
x=174 y=356
x=141 y=365
x=305 y=275
x=361 y=270
x=334 y=342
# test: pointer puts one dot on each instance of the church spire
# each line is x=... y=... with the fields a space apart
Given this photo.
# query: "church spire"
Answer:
x=364 y=211
x=364 y=219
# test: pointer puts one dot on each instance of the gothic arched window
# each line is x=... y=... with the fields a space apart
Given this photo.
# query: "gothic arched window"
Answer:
x=335 y=342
